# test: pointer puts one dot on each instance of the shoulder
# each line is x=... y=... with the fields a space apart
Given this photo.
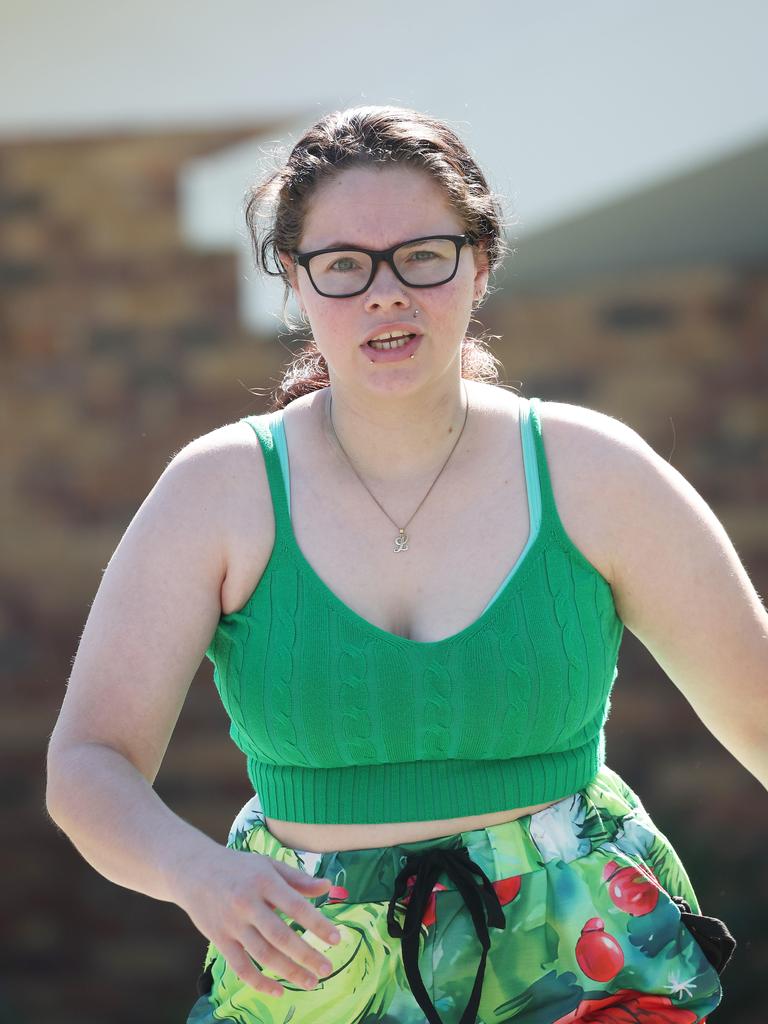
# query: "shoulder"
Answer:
x=581 y=444
x=608 y=456
x=658 y=531
x=227 y=441
x=605 y=477
x=578 y=425
x=220 y=458
x=568 y=426
x=223 y=471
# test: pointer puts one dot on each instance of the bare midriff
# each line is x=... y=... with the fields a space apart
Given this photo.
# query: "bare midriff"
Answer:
x=328 y=838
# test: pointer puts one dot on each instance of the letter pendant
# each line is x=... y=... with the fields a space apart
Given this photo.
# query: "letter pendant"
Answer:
x=401 y=542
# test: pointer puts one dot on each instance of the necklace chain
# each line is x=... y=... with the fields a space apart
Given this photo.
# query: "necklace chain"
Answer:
x=401 y=541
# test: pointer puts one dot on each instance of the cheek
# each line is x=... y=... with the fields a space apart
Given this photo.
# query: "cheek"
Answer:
x=333 y=322
x=324 y=311
x=448 y=300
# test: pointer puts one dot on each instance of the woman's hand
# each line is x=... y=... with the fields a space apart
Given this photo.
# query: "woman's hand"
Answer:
x=234 y=897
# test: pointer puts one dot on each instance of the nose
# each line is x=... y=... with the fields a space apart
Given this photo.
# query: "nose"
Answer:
x=385 y=289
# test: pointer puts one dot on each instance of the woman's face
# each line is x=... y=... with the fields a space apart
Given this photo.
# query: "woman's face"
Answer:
x=376 y=208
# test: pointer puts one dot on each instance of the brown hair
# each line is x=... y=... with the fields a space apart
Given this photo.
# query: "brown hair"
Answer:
x=359 y=136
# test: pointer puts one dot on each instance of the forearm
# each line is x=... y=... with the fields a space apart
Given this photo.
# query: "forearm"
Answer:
x=118 y=823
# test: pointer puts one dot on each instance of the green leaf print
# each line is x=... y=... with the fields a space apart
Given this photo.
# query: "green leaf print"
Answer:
x=669 y=871
x=651 y=932
x=544 y=1001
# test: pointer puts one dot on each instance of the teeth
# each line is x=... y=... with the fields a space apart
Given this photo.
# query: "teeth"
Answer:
x=390 y=344
x=391 y=334
x=400 y=338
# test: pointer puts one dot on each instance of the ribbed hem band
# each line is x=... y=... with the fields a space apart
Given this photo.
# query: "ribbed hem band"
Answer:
x=420 y=790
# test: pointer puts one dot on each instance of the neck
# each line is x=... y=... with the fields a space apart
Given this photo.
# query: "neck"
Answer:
x=397 y=440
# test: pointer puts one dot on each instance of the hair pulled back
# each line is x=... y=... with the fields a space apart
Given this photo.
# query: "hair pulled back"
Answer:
x=359 y=136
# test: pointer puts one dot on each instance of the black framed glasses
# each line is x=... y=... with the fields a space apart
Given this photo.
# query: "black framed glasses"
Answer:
x=341 y=272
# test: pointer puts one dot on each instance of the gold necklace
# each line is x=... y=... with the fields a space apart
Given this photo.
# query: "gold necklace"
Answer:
x=401 y=541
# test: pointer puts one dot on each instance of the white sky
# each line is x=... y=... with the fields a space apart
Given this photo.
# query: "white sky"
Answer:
x=564 y=104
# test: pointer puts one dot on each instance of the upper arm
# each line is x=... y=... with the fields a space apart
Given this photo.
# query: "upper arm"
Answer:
x=154 y=613
x=681 y=588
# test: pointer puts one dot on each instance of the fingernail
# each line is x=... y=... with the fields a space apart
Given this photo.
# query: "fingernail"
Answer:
x=335 y=936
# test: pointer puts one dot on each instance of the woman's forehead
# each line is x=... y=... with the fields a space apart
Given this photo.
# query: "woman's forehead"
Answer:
x=376 y=208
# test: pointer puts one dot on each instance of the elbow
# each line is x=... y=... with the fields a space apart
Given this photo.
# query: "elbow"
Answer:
x=55 y=782
x=62 y=762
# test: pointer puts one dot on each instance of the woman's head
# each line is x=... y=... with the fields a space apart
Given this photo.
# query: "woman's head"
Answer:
x=374 y=177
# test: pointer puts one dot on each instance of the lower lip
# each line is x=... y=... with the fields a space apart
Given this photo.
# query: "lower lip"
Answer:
x=392 y=355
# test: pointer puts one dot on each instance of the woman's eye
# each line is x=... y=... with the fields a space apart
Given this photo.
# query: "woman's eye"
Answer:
x=343 y=259
x=423 y=252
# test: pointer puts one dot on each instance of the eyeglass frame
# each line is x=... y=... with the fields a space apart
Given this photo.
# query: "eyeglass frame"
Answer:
x=378 y=256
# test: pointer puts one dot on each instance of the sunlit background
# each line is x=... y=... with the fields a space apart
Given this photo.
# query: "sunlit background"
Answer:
x=631 y=146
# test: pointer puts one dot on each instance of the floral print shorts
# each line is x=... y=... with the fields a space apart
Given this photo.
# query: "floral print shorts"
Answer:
x=581 y=912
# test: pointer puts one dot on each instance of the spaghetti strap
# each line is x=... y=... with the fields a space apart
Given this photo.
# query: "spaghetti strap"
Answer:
x=547 y=497
x=262 y=427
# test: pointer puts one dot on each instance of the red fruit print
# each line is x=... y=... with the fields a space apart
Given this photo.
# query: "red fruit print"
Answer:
x=507 y=889
x=428 y=917
x=337 y=894
x=630 y=889
x=629 y=1007
x=598 y=954
x=641 y=866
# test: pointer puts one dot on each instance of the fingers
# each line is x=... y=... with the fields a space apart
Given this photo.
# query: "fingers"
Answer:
x=247 y=971
x=271 y=928
x=287 y=960
x=260 y=901
x=267 y=939
x=301 y=910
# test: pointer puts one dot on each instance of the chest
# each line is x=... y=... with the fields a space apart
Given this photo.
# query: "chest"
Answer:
x=459 y=545
x=465 y=540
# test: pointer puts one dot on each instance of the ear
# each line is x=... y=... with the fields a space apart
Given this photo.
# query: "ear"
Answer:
x=290 y=268
x=293 y=278
x=482 y=269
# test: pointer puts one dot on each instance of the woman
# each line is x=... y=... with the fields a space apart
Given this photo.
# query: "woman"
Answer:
x=428 y=763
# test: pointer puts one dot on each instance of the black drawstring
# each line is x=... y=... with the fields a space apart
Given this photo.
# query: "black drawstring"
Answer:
x=428 y=867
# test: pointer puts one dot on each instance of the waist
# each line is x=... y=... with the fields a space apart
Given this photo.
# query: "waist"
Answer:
x=327 y=838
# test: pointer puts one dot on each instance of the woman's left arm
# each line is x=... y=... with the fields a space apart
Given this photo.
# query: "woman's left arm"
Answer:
x=681 y=588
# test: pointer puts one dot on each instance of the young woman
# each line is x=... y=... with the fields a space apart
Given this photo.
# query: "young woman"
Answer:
x=414 y=605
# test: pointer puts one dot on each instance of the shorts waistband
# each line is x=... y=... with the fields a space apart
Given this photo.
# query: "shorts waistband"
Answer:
x=568 y=829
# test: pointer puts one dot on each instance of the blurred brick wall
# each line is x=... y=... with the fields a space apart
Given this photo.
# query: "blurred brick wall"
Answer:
x=119 y=346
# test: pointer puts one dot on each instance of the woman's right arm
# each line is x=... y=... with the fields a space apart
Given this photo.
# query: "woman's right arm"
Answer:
x=152 y=618
x=155 y=610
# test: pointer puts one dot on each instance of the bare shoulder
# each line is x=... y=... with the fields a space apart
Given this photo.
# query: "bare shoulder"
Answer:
x=220 y=446
x=578 y=426
x=592 y=459
x=575 y=429
x=223 y=461
x=659 y=534
x=227 y=464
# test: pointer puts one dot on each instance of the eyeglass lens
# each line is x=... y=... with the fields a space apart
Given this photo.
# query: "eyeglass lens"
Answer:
x=420 y=263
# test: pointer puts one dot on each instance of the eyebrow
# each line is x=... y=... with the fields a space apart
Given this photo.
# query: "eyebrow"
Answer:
x=357 y=245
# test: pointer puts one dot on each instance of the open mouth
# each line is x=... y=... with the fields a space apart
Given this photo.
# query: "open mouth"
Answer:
x=393 y=349
x=390 y=343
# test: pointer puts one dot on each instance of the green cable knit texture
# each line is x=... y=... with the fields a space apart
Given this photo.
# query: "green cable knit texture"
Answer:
x=343 y=722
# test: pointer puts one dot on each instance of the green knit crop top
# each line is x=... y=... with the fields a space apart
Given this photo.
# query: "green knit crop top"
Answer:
x=343 y=722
